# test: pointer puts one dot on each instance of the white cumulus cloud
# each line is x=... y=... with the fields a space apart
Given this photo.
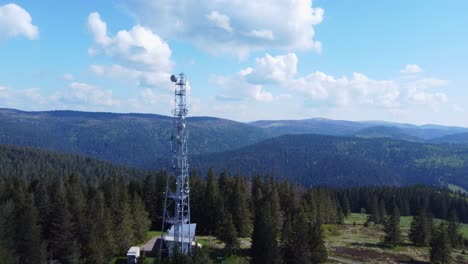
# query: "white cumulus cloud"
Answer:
x=83 y=93
x=236 y=27
x=274 y=69
x=236 y=88
x=262 y=33
x=220 y=20
x=142 y=54
x=15 y=21
x=274 y=72
x=11 y=97
x=411 y=69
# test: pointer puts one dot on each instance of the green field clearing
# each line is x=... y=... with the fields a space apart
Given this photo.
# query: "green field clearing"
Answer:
x=359 y=219
x=405 y=222
x=345 y=242
x=364 y=244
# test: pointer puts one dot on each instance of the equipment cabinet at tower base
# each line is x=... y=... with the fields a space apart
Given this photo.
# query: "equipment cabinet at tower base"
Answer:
x=186 y=231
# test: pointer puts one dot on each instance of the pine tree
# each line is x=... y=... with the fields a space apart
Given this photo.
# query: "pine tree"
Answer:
x=28 y=232
x=213 y=205
x=454 y=230
x=43 y=204
x=178 y=257
x=63 y=245
x=154 y=186
x=339 y=216
x=317 y=245
x=421 y=228
x=101 y=245
x=305 y=243
x=227 y=233
x=201 y=256
x=374 y=216
x=7 y=232
x=392 y=228
x=382 y=212
x=440 y=245
x=76 y=203
x=141 y=221
x=272 y=195
x=123 y=222
x=265 y=233
x=345 y=206
x=239 y=206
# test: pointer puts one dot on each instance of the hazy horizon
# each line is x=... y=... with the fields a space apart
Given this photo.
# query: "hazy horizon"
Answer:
x=240 y=121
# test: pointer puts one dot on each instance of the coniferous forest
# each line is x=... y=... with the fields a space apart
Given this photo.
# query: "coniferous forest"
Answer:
x=79 y=210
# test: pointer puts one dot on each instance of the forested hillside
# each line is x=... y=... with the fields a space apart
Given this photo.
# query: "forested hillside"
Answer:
x=345 y=161
x=128 y=139
x=348 y=128
x=98 y=213
x=29 y=163
x=461 y=138
x=386 y=132
x=311 y=126
x=140 y=139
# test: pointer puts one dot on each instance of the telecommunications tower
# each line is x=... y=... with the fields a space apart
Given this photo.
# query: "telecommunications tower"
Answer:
x=177 y=196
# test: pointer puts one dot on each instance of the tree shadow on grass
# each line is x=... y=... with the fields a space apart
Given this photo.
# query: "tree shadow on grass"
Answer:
x=372 y=245
x=219 y=254
x=380 y=245
x=414 y=262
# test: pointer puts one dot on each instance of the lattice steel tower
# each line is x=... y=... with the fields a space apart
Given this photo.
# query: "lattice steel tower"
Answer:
x=177 y=195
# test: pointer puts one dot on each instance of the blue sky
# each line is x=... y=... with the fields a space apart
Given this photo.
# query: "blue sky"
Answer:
x=402 y=61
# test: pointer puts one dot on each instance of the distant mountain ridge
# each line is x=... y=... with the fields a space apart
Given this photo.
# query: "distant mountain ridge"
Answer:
x=345 y=161
x=348 y=128
x=386 y=132
x=310 y=126
x=140 y=140
x=460 y=138
x=129 y=139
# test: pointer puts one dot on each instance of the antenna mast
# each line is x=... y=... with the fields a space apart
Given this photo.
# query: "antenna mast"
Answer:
x=177 y=199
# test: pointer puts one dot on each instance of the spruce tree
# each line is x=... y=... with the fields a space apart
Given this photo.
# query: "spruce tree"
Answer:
x=265 y=233
x=44 y=206
x=239 y=206
x=374 y=216
x=213 y=205
x=392 y=228
x=304 y=244
x=178 y=257
x=201 y=256
x=7 y=232
x=420 y=229
x=28 y=232
x=440 y=245
x=141 y=221
x=227 y=233
x=454 y=230
x=317 y=245
x=123 y=222
x=382 y=211
x=272 y=195
x=345 y=206
x=76 y=203
x=101 y=245
x=63 y=245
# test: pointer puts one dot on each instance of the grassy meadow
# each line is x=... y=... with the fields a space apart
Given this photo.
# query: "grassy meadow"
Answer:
x=346 y=244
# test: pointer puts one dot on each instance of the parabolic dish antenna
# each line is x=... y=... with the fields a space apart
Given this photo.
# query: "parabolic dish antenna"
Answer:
x=173 y=78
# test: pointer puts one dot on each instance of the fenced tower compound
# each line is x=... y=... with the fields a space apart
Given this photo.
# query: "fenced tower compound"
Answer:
x=177 y=195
